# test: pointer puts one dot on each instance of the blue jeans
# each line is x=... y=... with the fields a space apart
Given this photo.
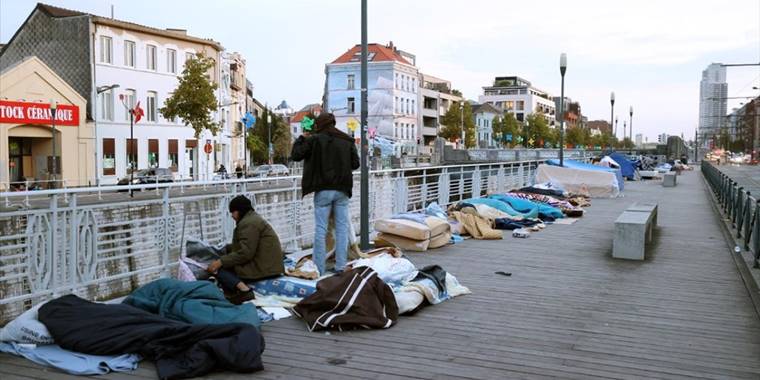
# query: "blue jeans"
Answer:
x=327 y=201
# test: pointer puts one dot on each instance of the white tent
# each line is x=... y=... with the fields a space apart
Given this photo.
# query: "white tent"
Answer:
x=593 y=183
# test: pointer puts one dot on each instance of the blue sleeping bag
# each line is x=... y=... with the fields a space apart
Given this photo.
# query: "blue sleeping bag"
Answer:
x=529 y=207
x=499 y=205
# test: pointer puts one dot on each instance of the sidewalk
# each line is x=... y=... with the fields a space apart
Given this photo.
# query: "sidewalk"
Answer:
x=569 y=310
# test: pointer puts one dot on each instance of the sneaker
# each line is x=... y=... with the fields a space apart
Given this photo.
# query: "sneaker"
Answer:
x=241 y=297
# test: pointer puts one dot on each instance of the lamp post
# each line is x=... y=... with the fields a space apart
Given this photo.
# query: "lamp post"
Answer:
x=616 y=124
x=612 y=111
x=98 y=91
x=269 y=132
x=562 y=69
x=54 y=171
x=624 y=134
x=364 y=195
x=461 y=112
x=630 y=124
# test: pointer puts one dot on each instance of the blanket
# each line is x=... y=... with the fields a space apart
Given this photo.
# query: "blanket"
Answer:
x=192 y=302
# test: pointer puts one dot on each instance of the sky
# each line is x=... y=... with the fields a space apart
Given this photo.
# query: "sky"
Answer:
x=649 y=52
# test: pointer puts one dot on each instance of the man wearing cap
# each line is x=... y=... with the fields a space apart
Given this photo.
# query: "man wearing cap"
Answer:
x=330 y=157
x=255 y=252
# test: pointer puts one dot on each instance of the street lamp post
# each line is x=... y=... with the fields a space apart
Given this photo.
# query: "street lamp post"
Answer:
x=269 y=132
x=364 y=188
x=461 y=112
x=54 y=171
x=630 y=124
x=616 y=124
x=562 y=69
x=612 y=111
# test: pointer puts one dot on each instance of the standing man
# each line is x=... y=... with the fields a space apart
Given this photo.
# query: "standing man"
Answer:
x=330 y=157
x=255 y=253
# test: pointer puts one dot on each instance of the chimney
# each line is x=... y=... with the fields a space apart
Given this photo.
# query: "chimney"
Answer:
x=390 y=45
x=111 y=11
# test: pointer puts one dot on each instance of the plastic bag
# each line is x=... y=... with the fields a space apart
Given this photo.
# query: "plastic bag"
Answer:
x=435 y=210
x=26 y=328
x=198 y=255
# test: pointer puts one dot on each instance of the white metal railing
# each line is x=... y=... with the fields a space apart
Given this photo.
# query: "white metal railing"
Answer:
x=101 y=243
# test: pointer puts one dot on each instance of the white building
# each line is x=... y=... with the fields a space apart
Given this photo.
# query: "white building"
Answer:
x=392 y=93
x=232 y=105
x=484 y=115
x=436 y=97
x=517 y=95
x=713 y=91
x=662 y=138
x=639 y=139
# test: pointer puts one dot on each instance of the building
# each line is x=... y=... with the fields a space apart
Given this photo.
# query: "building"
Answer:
x=233 y=106
x=92 y=53
x=283 y=110
x=519 y=96
x=295 y=121
x=662 y=138
x=27 y=89
x=713 y=92
x=598 y=127
x=639 y=139
x=573 y=117
x=484 y=115
x=435 y=98
x=392 y=93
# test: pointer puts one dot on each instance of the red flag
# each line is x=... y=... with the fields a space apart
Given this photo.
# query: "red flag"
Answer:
x=138 y=112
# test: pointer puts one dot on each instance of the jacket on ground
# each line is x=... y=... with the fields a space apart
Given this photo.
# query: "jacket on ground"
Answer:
x=255 y=252
x=329 y=160
x=357 y=298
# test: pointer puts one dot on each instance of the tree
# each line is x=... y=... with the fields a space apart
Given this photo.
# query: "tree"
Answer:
x=575 y=136
x=537 y=129
x=504 y=126
x=194 y=101
x=258 y=139
x=452 y=122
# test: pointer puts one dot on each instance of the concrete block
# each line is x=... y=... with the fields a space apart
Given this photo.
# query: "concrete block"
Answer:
x=646 y=174
x=631 y=235
x=669 y=179
x=645 y=207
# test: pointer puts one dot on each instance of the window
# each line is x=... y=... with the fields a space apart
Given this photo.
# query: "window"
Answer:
x=109 y=157
x=130 y=98
x=150 y=55
x=407 y=106
x=171 y=61
x=129 y=53
x=350 y=107
x=173 y=155
x=150 y=106
x=395 y=130
x=397 y=81
x=395 y=105
x=131 y=154
x=106 y=105
x=106 y=49
x=414 y=109
x=350 y=85
x=153 y=153
x=520 y=105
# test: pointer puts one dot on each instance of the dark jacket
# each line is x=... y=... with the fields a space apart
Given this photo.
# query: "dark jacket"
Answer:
x=255 y=251
x=329 y=162
x=354 y=299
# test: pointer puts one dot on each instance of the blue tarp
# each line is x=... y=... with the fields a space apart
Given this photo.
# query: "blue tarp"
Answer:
x=583 y=166
x=626 y=166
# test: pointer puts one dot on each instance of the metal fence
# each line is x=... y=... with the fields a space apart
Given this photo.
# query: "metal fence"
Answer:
x=100 y=243
x=738 y=205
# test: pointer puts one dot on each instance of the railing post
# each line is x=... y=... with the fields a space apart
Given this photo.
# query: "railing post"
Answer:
x=756 y=231
x=736 y=204
x=740 y=212
x=747 y=220
x=53 y=246
x=71 y=263
x=424 y=189
x=166 y=215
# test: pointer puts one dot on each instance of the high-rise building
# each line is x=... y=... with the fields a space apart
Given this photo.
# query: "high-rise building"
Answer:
x=713 y=91
x=662 y=138
x=639 y=139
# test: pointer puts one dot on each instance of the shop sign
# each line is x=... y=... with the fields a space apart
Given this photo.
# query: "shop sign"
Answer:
x=12 y=112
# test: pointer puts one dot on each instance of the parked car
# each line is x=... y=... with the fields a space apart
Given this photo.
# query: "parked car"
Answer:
x=270 y=171
x=148 y=176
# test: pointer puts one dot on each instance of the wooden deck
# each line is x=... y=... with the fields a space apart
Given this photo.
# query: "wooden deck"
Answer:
x=568 y=310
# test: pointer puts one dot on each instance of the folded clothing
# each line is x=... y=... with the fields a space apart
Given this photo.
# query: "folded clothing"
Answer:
x=191 y=302
x=179 y=349
x=404 y=228
x=403 y=243
x=75 y=363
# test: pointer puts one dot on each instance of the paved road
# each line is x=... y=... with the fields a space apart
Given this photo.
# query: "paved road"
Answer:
x=747 y=176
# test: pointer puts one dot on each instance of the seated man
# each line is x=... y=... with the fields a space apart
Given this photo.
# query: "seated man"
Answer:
x=255 y=252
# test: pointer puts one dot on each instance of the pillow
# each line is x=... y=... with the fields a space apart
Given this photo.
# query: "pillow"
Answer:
x=440 y=240
x=26 y=328
x=437 y=225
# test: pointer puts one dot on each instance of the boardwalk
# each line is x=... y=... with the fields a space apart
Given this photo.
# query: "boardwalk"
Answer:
x=569 y=310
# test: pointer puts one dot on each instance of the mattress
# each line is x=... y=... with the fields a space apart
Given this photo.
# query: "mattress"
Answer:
x=403 y=228
x=440 y=240
x=403 y=243
x=437 y=225
x=285 y=286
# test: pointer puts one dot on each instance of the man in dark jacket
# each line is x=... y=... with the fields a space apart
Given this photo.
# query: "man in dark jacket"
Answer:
x=255 y=252
x=330 y=157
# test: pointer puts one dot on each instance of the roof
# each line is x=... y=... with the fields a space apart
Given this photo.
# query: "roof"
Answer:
x=311 y=108
x=57 y=12
x=375 y=53
x=486 y=107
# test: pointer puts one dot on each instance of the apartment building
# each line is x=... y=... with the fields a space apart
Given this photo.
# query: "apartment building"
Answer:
x=518 y=96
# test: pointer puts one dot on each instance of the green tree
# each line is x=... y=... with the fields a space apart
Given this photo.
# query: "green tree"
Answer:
x=537 y=129
x=575 y=136
x=452 y=122
x=194 y=101
x=258 y=139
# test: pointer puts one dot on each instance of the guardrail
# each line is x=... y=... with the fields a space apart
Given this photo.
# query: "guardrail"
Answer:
x=100 y=243
x=739 y=206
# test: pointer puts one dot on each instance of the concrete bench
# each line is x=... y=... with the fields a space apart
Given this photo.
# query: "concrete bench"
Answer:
x=669 y=179
x=645 y=207
x=633 y=230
